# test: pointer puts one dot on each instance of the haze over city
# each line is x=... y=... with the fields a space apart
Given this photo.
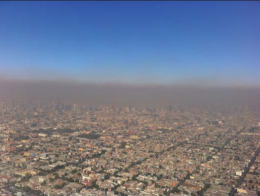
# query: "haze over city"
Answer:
x=147 y=45
x=129 y=98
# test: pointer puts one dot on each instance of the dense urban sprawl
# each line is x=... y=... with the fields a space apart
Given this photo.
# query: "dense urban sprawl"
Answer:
x=71 y=149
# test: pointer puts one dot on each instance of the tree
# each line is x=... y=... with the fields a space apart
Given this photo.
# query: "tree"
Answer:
x=134 y=177
x=187 y=176
x=74 y=171
x=57 y=186
x=207 y=186
x=159 y=177
x=106 y=177
x=94 y=184
x=175 y=190
x=209 y=158
x=115 y=173
x=27 y=189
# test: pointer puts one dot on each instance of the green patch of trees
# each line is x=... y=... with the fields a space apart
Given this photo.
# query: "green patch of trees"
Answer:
x=90 y=136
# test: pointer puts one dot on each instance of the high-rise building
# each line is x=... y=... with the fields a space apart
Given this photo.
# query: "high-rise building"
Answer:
x=170 y=108
x=128 y=109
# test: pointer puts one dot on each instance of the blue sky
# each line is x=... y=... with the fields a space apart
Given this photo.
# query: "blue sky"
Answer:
x=131 y=42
